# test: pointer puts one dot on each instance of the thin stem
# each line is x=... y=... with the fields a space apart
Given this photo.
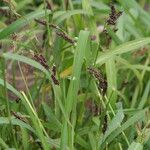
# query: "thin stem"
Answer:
x=7 y=103
x=125 y=137
x=25 y=82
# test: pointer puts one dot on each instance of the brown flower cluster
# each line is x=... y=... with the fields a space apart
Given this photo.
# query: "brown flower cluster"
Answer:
x=42 y=22
x=111 y=21
x=53 y=76
x=102 y=83
x=59 y=32
x=65 y=37
x=113 y=16
x=40 y=58
x=49 y=5
x=105 y=124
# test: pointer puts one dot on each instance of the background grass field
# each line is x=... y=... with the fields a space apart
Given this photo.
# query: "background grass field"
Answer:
x=75 y=75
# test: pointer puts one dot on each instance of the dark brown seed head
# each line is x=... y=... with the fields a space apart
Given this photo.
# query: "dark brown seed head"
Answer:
x=42 y=22
x=95 y=73
x=103 y=86
x=55 y=81
x=113 y=10
x=40 y=58
x=53 y=76
x=60 y=33
x=49 y=5
x=113 y=16
x=118 y=14
x=102 y=83
x=54 y=70
x=65 y=37
x=105 y=124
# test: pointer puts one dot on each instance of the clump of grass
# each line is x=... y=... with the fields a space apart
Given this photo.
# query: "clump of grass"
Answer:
x=90 y=85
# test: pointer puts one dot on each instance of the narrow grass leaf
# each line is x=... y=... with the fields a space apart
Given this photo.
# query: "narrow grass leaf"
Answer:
x=77 y=65
x=26 y=60
x=66 y=15
x=124 y=48
x=3 y=144
x=92 y=23
x=111 y=74
x=51 y=117
x=92 y=141
x=114 y=124
x=74 y=86
x=82 y=142
x=124 y=126
x=145 y=95
x=5 y=121
x=18 y=24
x=11 y=88
x=100 y=6
x=36 y=122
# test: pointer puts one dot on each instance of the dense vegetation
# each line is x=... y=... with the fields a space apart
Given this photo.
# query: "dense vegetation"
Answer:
x=75 y=74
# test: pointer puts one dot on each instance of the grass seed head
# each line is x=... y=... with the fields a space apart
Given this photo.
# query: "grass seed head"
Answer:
x=102 y=83
x=54 y=70
x=65 y=37
x=55 y=81
x=113 y=16
x=49 y=5
x=40 y=58
x=105 y=124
